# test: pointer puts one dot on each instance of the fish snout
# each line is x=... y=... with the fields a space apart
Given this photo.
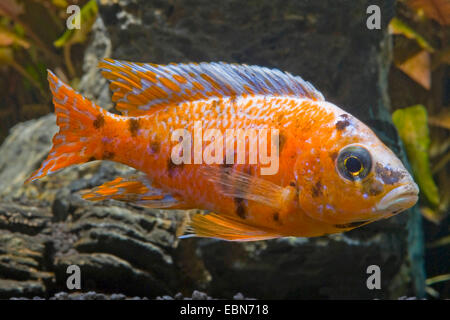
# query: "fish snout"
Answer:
x=400 y=198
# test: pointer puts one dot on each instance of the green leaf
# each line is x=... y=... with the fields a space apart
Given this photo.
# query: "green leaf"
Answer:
x=88 y=14
x=397 y=26
x=444 y=241
x=412 y=126
x=8 y=38
x=438 y=10
x=60 y=3
x=64 y=39
x=418 y=68
x=437 y=279
x=11 y=8
x=6 y=56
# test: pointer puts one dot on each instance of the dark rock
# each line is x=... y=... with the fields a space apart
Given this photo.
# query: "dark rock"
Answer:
x=117 y=296
x=164 y=298
x=197 y=295
x=60 y=296
x=12 y=288
x=178 y=296
x=109 y=273
x=24 y=246
x=23 y=219
x=22 y=152
x=92 y=295
x=238 y=296
x=92 y=84
x=291 y=268
x=61 y=206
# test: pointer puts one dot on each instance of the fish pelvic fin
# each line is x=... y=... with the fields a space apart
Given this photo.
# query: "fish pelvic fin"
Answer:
x=78 y=120
x=212 y=225
x=135 y=189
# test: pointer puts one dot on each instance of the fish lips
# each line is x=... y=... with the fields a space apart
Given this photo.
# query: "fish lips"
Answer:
x=399 y=199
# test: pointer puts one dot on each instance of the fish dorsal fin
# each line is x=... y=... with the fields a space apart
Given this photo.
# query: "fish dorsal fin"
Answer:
x=138 y=87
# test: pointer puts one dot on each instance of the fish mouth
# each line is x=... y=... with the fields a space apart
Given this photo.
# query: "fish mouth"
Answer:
x=399 y=199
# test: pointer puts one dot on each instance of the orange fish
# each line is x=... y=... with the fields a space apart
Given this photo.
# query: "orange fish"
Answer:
x=333 y=173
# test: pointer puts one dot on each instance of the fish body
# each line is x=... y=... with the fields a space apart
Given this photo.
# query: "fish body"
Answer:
x=332 y=173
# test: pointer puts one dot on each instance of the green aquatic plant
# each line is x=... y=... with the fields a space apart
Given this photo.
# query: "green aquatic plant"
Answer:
x=28 y=30
x=412 y=126
x=87 y=16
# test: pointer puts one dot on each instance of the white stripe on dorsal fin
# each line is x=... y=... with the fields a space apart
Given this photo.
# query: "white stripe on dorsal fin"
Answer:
x=138 y=87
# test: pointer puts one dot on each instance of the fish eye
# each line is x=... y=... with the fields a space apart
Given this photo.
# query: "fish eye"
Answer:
x=354 y=163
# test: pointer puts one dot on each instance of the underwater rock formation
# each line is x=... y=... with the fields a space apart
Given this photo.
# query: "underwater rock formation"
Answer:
x=45 y=226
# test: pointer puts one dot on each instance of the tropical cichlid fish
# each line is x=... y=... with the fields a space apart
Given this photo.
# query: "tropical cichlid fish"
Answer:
x=334 y=173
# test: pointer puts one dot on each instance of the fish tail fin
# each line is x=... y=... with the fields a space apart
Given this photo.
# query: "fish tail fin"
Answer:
x=77 y=140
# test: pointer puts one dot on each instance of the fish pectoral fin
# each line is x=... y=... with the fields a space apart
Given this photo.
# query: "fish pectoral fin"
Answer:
x=238 y=184
x=212 y=225
x=136 y=189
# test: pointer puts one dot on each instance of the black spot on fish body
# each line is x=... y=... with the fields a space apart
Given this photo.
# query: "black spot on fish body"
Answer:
x=248 y=170
x=388 y=175
x=225 y=164
x=107 y=155
x=342 y=124
x=171 y=167
x=293 y=184
x=280 y=118
x=372 y=186
x=155 y=147
x=99 y=121
x=317 y=189
x=334 y=155
x=240 y=208
x=276 y=217
x=133 y=126
x=92 y=159
x=281 y=142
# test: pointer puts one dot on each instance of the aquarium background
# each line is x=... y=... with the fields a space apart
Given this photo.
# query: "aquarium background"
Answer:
x=400 y=69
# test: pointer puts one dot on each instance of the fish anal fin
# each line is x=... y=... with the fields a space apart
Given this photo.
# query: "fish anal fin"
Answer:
x=136 y=189
x=213 y=225
x=140 y=87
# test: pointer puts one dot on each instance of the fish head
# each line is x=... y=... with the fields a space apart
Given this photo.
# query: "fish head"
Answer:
x=349 y=177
